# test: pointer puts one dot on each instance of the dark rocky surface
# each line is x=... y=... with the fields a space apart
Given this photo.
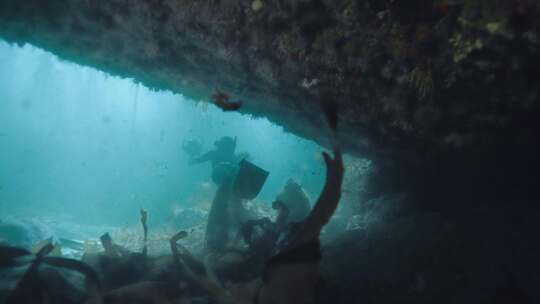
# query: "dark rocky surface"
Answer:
x=412 y=81
x=435 y=91
x=486 y=256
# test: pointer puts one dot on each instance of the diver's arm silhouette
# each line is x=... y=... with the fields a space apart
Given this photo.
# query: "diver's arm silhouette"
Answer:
x=326 y=203
x=208 y=156
x=293 y=275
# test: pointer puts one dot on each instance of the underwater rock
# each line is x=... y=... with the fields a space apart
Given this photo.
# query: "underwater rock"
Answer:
x=23 y=233
x=62 y=286
x=380 y=65
x=29 y=278
x=375 y=212
x=428 y=258
x=255 y=209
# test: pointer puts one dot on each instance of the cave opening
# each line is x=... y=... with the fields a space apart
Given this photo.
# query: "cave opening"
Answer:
x=80 y=147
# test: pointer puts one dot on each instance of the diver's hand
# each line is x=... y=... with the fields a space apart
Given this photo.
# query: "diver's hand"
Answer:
x=334 y=168
x=244 y=155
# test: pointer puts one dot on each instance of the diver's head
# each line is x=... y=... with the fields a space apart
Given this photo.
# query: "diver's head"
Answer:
x=106 y=240
x=226 y=144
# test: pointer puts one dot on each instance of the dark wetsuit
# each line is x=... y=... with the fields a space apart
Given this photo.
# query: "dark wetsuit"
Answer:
x=224 y=169
x=223 y=164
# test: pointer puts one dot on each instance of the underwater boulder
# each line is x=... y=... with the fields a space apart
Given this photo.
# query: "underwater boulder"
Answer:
x=436 y=258
x=22 y=233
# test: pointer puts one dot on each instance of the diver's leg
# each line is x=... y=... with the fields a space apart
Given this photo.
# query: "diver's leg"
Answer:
x=218 y=219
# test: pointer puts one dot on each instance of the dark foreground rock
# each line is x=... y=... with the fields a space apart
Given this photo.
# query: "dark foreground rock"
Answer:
x=486 y=256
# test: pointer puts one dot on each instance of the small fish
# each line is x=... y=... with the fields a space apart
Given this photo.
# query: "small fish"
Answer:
x=221 y=99
x=3 y=134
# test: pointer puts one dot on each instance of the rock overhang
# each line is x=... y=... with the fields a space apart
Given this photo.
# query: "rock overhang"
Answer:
x=421 y=83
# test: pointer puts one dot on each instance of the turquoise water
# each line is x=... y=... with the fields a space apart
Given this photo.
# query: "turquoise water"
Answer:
x=78 y=144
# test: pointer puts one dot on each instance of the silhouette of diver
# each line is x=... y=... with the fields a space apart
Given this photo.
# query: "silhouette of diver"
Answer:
x=224 y=168
x=223 y=159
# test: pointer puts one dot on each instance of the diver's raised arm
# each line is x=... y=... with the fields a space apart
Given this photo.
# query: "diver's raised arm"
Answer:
x=326 y=203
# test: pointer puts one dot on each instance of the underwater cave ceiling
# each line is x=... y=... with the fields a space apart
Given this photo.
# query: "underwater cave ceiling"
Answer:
x=414 y=81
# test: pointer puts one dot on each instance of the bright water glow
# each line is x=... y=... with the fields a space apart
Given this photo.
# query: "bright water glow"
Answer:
x=78 y=143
